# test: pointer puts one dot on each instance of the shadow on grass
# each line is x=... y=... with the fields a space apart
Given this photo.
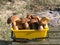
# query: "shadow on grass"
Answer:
x=3 y=42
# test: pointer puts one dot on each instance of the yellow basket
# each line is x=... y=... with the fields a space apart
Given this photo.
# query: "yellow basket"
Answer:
x=30 y=34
